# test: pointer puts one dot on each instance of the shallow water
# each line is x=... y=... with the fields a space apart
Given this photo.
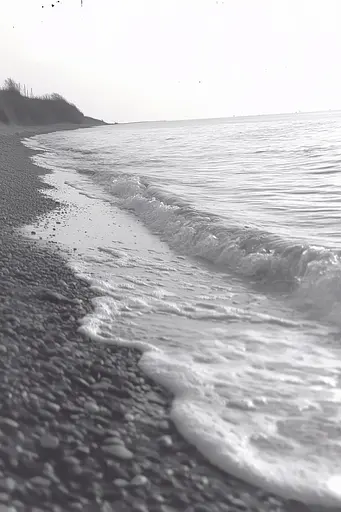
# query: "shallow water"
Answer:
x=215 y=247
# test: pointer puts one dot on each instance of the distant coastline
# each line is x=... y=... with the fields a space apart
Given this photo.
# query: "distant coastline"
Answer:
x=236 y=118
x=20 y=107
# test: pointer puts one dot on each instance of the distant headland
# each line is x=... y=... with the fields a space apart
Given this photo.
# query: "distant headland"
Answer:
x=19 y=106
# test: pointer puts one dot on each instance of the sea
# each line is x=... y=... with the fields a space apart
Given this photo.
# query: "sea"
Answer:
x=214 y=247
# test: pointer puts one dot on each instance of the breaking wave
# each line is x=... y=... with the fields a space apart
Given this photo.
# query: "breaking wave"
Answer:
x=311 y=273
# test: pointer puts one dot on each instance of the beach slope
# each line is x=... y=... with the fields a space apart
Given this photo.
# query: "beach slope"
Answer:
x=81 y=427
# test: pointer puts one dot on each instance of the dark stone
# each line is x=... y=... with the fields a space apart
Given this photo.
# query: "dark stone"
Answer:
x=53 y=296
x=49 y=442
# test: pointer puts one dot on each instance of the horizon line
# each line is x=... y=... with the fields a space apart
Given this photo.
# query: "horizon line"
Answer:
x=235 y=116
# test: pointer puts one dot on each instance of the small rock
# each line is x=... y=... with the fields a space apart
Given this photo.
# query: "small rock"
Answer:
x=71 y=461
x=119 y=482
x=52 y=406
x=222 y=507
x=274 y=502
x=151 y=396
x=81 y=382
x=106 y=507
x=158 y=498
x=91 y=407
x=164 y=425
x=52 y=296
x=83 y=450
x=115 y=470
x=49 y=442
x=3 y=349
x=140 y=480
x=103 y=385
x=8 y=426
x=166 y=441
x=48 y=471
x=9 y=484
x=113 y=440
x=4 y=497
x=40 y=481
x=236 y=502
x=96 y=431
x=112 y=433
x=139 y=507
x=200 y=507
x=119 y=451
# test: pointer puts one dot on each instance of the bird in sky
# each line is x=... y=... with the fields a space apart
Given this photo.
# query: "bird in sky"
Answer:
x=58 y=2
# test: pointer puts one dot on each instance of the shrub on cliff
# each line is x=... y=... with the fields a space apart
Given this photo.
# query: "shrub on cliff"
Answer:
x=17 y=106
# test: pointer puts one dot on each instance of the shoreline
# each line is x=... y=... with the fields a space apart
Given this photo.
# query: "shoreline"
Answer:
x=69 y=402
x=30 y=131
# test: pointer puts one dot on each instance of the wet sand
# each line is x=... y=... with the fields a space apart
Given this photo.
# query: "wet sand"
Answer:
x=81 y=427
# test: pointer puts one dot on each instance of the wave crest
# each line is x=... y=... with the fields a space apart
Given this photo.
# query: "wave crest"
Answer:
x=314 y=273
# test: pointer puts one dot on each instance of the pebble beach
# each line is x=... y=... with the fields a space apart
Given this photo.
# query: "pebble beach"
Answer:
x=81 y=426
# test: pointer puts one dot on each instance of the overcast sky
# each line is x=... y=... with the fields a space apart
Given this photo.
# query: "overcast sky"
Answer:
x=130 y=60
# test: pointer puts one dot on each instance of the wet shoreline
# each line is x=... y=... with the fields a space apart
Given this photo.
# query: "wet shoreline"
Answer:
x=82 y=428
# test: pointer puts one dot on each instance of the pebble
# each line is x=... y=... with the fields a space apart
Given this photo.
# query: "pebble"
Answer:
x=4 y=497
x=8 y=426
x=201 y=507
x=151 y=396
x=49 y=472
x=49 y=442
x=52 y=296
x=164 y=425
x=158 y=498
x=113 y=440
x=103 y=385
x=7 y=484
x=41 y=481
x=236 y=502
x=106 y=507
x=139 y=507
x=52 y=406
x=112 y=433
x=166 y=441
x=81 y=382
x=91 y=407
x=119 y=482
x=140 y=480
x=119 y=451
x=274 y=501
x=83 y=450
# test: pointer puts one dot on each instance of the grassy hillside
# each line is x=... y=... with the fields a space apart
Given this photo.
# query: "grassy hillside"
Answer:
x=20 y=108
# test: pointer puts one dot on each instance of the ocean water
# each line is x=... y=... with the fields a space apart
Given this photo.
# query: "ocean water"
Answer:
x=217 y=252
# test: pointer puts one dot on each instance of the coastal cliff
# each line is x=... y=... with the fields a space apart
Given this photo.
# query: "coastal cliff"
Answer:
x=20 y=107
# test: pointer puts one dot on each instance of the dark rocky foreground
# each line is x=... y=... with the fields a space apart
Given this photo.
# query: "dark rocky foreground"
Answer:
x=81 y=428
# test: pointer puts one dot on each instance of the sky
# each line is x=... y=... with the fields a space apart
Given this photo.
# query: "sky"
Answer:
x=135 y=60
